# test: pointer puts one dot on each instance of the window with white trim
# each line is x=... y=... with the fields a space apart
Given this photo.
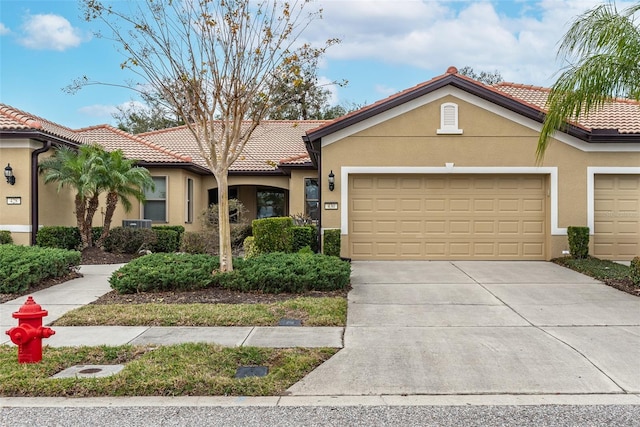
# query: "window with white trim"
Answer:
x=155 y=207
x=449 y=119
x=311 y=198
x=188 y=214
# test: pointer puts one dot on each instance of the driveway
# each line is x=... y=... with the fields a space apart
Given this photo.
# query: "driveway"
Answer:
x=477 y=327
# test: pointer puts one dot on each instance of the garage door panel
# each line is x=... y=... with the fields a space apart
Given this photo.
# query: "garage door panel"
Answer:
x=616 y=216
x=446 y=217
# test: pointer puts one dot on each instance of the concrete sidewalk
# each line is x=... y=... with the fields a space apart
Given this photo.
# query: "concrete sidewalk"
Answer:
x=60 y=299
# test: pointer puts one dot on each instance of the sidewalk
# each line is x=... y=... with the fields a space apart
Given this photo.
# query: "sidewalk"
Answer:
x=60 y=299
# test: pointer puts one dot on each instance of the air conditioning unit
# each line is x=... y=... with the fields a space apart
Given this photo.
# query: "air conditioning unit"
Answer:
x=136 y=223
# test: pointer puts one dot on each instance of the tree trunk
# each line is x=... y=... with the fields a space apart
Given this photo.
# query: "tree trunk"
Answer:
x=80 y=203
x=92 y=207
x=226 y=255
x=112 y=203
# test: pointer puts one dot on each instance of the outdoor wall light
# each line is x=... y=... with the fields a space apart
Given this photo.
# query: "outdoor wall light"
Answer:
x=8 y=173
x=332 y=181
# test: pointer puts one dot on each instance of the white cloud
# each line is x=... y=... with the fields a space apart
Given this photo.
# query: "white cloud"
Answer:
x=521 y=43
x=49 y=32
x=385 y=90
x=99 y=110
x=3 y=29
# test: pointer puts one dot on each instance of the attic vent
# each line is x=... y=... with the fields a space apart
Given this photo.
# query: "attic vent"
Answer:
x=449 y=119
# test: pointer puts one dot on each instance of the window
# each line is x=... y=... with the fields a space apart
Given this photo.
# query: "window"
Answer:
x=271 y=202
x=232 y=194
x=188 y=217
x=449 y=119
x=311 y=198
x=155 y=208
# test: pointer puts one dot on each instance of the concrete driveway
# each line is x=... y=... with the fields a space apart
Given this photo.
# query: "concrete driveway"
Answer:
x=476 y=327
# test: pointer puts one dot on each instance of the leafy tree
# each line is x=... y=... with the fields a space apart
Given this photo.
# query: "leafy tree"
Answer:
x=486 y=77
x=135 y=118
x=215 y=63
x=76 y=169
x=602 y=47
x=122 y=180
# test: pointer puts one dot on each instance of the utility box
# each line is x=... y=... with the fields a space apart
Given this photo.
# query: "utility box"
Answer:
x=136 y=223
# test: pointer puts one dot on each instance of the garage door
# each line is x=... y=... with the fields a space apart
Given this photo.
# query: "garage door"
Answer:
x=617 y=216
x=447 y=217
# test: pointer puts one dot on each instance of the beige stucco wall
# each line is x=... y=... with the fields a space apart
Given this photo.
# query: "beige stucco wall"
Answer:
x=488 y=140
x=16 y=217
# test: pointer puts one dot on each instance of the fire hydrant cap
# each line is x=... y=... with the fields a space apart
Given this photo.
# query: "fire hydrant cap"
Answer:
x=30 y=309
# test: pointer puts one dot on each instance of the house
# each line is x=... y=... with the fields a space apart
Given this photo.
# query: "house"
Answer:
x=442 y=170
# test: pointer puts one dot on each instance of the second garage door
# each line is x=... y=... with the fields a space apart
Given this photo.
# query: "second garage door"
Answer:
x=484 y=217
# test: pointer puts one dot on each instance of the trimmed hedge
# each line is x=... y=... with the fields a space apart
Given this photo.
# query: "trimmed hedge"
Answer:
x=24 y=266
x=273 y=234
x=5 y=237
x=271 y=273
x=302 y=236
x=331 y=242
x=288 y=273
x=166 y=272
x=129 y=240
x=167 y=240
x=578 y=241
x=634 y=270
x=249 y=247
x=58 y=237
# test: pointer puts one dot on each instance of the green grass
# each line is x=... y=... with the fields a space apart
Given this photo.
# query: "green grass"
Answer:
x=312 y=311
x=597 y=268
x=178 y=370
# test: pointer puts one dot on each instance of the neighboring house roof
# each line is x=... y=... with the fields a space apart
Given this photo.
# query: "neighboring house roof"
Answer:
x=19 y=123
x=621 y=118
x=271 y=142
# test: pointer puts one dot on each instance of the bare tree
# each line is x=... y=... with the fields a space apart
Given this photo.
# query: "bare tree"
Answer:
x=215 y=63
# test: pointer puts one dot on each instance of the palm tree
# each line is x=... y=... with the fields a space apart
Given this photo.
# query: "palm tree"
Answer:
x=76 y=169
x=606 y=46
x=122 y=180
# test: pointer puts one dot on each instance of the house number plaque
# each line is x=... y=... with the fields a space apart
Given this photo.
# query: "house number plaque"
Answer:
x=14 y=200
x=331 y=206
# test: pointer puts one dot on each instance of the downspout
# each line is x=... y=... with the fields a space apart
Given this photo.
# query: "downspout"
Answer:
x=34 y=189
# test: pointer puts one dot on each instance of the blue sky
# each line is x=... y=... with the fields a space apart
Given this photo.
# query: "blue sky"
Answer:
x=387 y=46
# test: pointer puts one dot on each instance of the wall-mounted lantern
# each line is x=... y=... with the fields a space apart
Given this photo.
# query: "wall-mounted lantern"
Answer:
x=332 y=181
x=8 y=173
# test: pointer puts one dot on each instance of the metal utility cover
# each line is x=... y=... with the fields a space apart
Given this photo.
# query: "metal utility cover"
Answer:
x=290 y=322
x=252 y=371
x=89 y=371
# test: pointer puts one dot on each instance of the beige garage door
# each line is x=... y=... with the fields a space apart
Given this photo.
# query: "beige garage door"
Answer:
x=617 y=216
x=447 y=217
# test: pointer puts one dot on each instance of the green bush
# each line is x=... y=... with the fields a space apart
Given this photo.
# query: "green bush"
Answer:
x=58 y=237
x=634 y=270
x=177 y=228
x=249 y=247
x=302 y=236
x=194 y=242
x=96 y=232
x=129 y=240
x=5 y=237
x=24 y=266
x=273 y=234
x=166 y=272
x=167 y=240
x=578 y=241
x=292 y=273
x=331 y=242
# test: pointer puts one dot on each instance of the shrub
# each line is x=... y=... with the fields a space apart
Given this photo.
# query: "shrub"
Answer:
x=25 y=266
x=129 y=240
x=634 y=270
x=302 y=236
x=96 y=232
x=293 y=273
x=331 y=242
x=273 y=234
x=177 y=228
x=5 y=237
x=166 y=272
x=249 y=247
x=167 y=240
x=578 y=241
x=201 y=242
x=58 y=237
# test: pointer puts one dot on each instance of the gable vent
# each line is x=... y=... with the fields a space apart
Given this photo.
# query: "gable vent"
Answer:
x=449 y=119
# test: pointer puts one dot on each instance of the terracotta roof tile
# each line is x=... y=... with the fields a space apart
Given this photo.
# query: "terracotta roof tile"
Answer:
x=299 y=159
x=14 y=119
x=270 y=142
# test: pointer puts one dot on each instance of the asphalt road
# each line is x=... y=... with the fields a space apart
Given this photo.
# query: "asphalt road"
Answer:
x=352 y=416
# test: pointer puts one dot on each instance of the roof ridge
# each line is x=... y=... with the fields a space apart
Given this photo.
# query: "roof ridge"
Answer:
x=20 y=116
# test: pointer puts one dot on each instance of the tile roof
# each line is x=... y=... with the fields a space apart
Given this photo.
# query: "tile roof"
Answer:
x=132 y=146
x=12 y=119
x=271 y=142
x=621 y=114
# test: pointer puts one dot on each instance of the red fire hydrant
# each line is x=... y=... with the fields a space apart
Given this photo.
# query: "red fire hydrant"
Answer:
x=29 y=333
